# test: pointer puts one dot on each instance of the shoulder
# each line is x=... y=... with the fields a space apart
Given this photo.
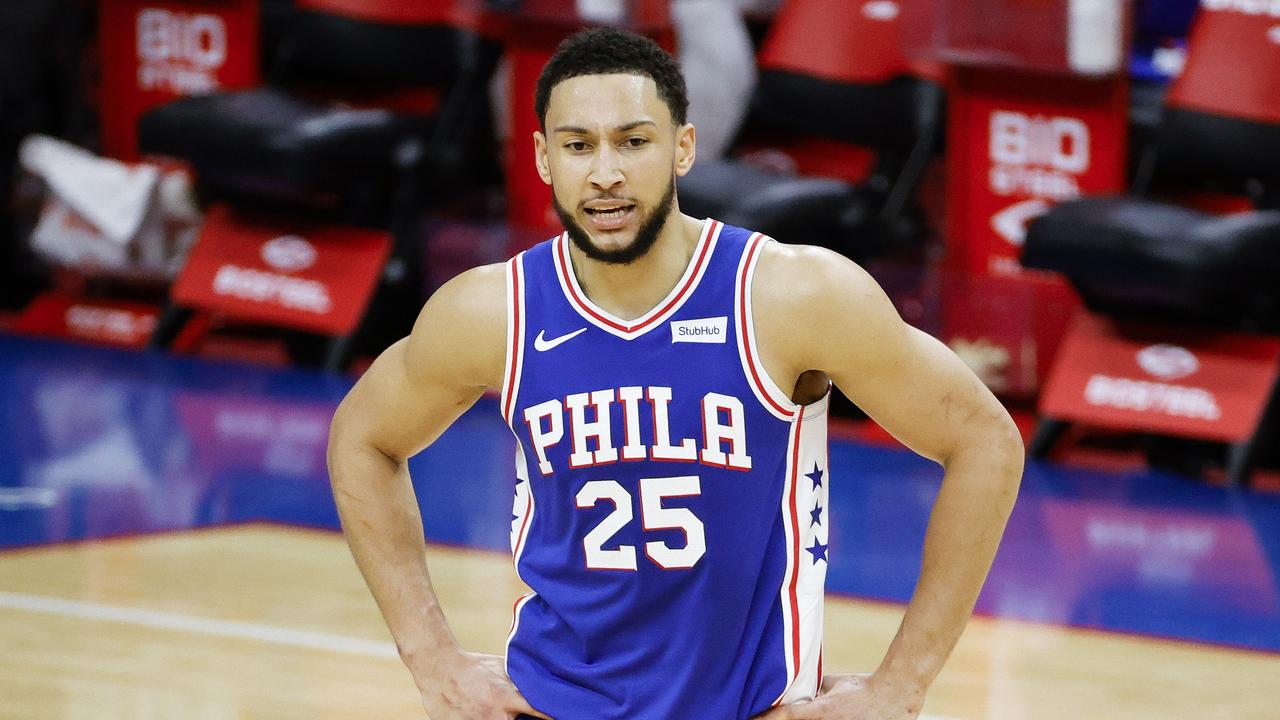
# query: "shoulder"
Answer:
x=462 y=329
x=810 y=301
x=795 y=278
x=475 y=296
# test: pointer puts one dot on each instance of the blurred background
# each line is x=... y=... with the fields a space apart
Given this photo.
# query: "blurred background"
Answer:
x=1077 y=196
x=215 y=213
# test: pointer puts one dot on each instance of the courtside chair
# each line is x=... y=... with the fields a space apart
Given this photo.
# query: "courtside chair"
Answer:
x=1148 y=256
x=374 y=111
x=838 y=76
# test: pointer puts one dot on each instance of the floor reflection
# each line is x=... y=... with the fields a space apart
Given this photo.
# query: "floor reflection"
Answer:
x=99 y=443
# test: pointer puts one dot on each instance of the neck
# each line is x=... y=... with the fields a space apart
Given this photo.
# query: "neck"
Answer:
x=630 y=291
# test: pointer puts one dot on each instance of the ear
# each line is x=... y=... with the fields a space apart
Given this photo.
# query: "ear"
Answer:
x=686 y=149
x=540 y=157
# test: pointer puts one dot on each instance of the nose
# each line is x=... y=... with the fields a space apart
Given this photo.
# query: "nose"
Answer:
x=606 y=168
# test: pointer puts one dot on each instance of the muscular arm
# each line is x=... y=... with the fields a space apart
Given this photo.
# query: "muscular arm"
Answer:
x=408 y=397
x=825 y=313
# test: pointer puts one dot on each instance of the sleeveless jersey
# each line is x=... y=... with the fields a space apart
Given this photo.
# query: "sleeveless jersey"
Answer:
x=670 y=510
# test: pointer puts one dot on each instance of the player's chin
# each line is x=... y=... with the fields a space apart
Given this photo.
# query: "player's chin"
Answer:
x=611 y=240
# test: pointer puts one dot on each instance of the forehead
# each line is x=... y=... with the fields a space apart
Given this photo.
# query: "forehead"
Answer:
x=607 y=100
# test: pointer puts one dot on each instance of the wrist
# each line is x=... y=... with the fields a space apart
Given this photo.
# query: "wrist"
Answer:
x=427 y=662
x=897 y=683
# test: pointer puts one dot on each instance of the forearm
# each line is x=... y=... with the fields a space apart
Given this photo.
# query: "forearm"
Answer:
x=383 y=528
x=965 y=528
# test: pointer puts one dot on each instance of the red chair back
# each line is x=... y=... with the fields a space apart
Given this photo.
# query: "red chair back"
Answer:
x=397 y=12
x=1233 y=62
x=857 y=41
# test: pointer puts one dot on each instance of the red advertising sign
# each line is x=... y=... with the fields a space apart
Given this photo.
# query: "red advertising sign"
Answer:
x=283 y=272
x=156 y=50
x=1018 y=144
x=1211 y=385
x=109 y=322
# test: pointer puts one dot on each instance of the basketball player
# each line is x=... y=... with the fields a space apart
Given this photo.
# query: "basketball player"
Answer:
x=667 y=381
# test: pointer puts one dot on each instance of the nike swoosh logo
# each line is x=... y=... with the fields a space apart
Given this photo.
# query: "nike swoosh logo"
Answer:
x=541 y=344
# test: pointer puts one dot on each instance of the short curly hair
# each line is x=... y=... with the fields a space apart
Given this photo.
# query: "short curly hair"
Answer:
x=605 y=50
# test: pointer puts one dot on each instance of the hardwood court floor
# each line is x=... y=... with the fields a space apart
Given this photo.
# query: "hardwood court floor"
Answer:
x=265 y=621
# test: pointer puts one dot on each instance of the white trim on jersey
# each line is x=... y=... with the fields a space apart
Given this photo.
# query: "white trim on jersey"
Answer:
x=522 y=518
x=522 y=506
x=809 y=574
x=801 y=593
x=523 y=503
x=790 y=518
x=515 y=625
x=514 y=362
x=631 y=329
x=777 y=402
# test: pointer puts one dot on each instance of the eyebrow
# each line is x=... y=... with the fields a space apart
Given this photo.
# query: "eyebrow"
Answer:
x=620 y=128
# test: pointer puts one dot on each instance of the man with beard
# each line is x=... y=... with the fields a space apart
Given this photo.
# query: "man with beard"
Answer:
x=670 y=495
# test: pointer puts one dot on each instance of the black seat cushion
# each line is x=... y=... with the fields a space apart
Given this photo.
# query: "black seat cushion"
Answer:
x=1141 y=258
x=1207 y=146
x=269 y=136
x=892 y=114
x=813 y=211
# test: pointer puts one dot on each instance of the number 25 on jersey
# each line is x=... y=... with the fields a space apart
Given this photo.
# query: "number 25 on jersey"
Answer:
x=654 y=517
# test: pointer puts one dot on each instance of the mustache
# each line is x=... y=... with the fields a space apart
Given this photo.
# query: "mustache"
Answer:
x=609 y=196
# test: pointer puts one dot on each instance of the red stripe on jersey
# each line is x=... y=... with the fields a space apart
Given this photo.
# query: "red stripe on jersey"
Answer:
x=524 y=523
x=515 y=340
x=565 y=270
x=743 y=319
x=818 y=689
x=795 y=549
x=515 y=607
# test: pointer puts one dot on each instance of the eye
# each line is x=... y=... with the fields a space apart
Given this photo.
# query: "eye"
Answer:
x=576 y=146
x=636 y=142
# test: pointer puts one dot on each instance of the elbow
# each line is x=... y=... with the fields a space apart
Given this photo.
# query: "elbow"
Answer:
x=1008 y=456
x=351 y=441
x=992 y=454
x=994 y=441
x=1007 y=438
x=337 y=430
x=1009 y=441
x=342 y=444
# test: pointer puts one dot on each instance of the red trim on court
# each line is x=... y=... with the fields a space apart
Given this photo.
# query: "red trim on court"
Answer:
x=563 y=267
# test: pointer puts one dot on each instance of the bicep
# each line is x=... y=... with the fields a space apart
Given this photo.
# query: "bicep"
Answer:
x=420 y=385
x=904 y=379
x=399 y=410
x=919 y=391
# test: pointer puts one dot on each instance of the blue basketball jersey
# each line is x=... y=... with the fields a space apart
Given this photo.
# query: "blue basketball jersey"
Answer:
x=670 y=509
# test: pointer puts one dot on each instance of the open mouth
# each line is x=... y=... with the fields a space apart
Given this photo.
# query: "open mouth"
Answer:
x=610 y=217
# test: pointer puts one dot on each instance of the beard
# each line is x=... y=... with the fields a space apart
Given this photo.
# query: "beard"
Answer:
x=650 y=227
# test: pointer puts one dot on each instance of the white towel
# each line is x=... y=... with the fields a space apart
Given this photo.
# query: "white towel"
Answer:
x=110 y=194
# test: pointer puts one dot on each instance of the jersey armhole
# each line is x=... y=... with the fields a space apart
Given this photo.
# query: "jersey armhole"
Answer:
x=514 y=361
x=771 y=397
